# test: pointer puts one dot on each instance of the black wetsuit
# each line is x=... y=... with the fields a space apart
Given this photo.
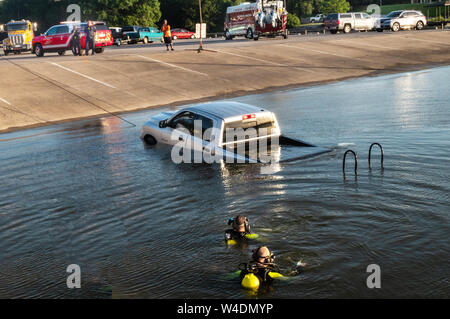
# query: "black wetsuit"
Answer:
x=232 y=234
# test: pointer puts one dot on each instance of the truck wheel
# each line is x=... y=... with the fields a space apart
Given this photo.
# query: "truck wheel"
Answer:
x=175 y=37
x=395 y=27
x=347 y=28
x=193 y=36
x=145 y=40
x=61 y=53
x=150 y=140
x=419 y=25
x=99 y=50
x=38 y=50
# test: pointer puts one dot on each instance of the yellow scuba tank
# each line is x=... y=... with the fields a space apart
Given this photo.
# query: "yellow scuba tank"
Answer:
x=250 y=281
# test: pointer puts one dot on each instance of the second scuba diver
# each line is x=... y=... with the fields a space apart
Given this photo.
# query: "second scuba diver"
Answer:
x=240 y=231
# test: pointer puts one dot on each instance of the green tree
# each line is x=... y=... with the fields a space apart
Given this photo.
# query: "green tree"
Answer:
x=185 y=13
x=122 y=12
x=293 y=21
x=338 y=6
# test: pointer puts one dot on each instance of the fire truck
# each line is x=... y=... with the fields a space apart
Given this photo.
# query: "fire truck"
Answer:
x=20 y=36
x=59 y=38
x=252 y=20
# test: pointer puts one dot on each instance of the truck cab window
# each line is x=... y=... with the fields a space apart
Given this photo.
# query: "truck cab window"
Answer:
x=184 y=120
x=206 y=127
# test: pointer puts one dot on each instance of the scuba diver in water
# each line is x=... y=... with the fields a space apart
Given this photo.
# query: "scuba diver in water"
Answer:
x=262 y=270
x=240 y=231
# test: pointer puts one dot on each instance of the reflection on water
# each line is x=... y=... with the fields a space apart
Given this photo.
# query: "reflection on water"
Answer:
x=92 y=194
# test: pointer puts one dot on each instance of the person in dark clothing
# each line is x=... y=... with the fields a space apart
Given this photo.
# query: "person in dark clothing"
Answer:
x=240 y=227
x=240 y=230
x=262 y=270
x=90 y=39
x=76 y=41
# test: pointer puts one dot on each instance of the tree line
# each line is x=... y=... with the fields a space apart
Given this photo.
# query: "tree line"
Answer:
x=179 y=13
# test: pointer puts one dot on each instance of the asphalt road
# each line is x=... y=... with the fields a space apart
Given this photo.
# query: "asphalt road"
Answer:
x=40 y=91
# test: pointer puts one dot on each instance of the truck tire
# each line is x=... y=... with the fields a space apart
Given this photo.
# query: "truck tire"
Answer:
x=38 y=50
x=145 y=40
x=99 y=50
x=347 y=28
x=61 y=53
x=150 y=140
x=175 y=37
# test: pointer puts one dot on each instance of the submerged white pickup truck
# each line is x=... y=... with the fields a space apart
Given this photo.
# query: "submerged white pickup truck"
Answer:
x=225 y=131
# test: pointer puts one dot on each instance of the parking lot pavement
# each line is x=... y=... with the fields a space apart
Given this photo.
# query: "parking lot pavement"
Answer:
x=39 y=91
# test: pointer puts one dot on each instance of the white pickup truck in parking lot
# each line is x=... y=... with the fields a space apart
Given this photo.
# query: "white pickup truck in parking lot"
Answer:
x=347 y=22
x=225 y=131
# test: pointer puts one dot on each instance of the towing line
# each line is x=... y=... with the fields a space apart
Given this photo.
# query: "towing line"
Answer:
x=55 y=83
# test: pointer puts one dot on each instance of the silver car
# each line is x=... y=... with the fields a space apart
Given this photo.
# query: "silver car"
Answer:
x=347 y=22
x=401 y=20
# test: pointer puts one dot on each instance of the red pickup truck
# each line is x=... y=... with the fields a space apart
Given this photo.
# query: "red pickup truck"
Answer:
x=59 y=38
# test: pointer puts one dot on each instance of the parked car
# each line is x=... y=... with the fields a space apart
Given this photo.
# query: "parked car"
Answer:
x=59 y=38
x=182 y=34
x=401 y=20
x=347 y=22
x=215 y=137
x=136 y=34
x=150 y=35
x=117 y=35
x=318 y=18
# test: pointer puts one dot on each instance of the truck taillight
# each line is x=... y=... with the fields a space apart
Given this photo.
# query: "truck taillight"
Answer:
x=248 y=117
x=338 y=22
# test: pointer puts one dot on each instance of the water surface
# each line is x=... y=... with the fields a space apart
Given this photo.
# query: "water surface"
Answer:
x=90 y=193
